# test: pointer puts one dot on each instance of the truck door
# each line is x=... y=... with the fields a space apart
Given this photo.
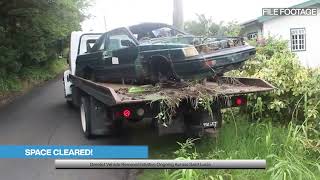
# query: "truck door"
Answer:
x=89 y=56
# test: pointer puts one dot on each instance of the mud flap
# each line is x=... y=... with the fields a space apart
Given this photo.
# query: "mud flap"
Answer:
x=101 y=123
x=177 y=126
x=199 y=123
x=211 y=125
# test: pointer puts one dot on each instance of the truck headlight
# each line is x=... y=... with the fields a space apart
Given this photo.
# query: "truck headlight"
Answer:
x=190 y=51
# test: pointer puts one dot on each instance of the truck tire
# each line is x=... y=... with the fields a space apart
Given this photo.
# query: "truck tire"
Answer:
x=85 y=115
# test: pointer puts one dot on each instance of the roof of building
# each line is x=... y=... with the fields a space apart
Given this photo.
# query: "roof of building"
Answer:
x=262 y=19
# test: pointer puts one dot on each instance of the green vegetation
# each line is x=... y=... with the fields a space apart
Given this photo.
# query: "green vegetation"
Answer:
x=285 y=149
x=31 y=32
x=282 y=126
x=30 y=76
x=205 y=26
x=298 y=92
x=196 y=94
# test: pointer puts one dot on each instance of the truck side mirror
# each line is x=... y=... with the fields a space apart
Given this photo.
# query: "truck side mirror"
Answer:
x=60 y=48
x=68 y=58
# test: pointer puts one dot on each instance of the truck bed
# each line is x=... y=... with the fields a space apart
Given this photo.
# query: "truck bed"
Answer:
x=115 y=94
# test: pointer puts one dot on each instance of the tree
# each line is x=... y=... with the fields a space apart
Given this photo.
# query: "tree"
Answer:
x=29 y=30
x=205 y=26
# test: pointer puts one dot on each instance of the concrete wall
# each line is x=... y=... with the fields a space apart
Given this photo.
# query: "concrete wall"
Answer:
x=280 y=27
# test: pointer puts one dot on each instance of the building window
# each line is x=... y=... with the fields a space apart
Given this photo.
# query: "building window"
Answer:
x=252 y=36
x=298 y=39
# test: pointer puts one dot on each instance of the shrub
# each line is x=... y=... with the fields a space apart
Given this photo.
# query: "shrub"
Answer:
x=297 y=94
x=30 y=76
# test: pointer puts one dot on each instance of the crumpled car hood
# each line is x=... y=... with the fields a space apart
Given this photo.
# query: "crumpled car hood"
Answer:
x=204 y=45
x=161 y=46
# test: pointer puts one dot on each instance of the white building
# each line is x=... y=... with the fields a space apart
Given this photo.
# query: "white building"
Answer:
x=302 y=32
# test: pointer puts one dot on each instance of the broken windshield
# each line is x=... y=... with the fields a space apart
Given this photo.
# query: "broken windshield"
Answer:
x=149 y=31
x=158 y=33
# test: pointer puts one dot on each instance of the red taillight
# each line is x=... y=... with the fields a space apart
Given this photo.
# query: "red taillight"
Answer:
x=239 y=101
x=126 y=113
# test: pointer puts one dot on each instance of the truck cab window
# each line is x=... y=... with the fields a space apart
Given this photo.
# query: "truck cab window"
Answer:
x=99 y=44
x=119 y=42
x=86 y=43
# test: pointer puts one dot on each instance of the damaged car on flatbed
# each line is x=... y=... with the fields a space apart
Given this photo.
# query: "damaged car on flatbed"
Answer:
x=151 y=52
x=156 y=73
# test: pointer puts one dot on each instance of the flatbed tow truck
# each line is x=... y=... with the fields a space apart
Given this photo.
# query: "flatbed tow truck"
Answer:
x=105 y=107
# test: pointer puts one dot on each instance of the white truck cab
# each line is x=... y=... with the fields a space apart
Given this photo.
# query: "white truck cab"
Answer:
x=79 y=44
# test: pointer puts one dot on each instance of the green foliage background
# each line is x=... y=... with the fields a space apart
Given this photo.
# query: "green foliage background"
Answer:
x=29 y=34
x=205 y=26
x=297 y=94
x=282 y=126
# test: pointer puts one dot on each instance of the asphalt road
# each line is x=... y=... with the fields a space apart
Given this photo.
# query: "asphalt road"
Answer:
x=41 y=117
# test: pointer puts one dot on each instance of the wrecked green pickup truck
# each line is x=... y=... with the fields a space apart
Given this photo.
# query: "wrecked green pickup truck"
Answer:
x=152 y=52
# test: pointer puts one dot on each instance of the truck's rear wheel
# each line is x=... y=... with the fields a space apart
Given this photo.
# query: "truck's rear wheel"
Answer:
x=85 y=116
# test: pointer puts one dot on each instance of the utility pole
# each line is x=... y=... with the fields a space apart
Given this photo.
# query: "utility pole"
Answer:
x=178 y=14
x=105 y=22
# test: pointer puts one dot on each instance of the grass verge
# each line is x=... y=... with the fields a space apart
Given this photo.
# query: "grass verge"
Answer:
x=285 y=149
x=15 y=84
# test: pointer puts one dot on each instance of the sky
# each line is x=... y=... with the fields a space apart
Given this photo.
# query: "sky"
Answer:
x=119 y=13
